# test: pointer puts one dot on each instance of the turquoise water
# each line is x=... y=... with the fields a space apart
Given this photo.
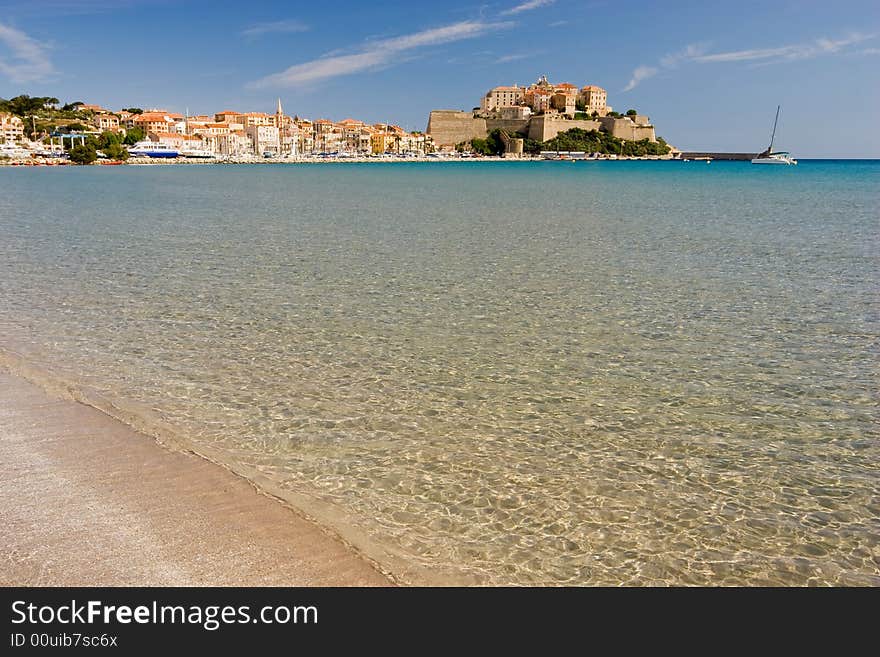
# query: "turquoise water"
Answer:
x=523 y=373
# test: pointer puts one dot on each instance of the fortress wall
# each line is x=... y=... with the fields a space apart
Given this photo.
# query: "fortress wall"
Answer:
x=626 y=129
x=512 y=126
x=547 y=127
x=451 y=127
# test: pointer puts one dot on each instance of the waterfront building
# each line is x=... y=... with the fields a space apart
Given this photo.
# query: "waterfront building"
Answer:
x=249 y=119
x=264 y=139
x=126 y=119
x=287 y=132
x=105 y=121
x=198 y=124
x=227 y=116
x=11 y=128
x=305 y=135
x=154 y=121
x=173 y=140
x=218 y=129
x=328 y=137
x=233 y=143
x=388 y=139
x=355 y=137
x=194 y=143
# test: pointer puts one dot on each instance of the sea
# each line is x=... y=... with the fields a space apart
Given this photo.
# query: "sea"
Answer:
x=487 y=373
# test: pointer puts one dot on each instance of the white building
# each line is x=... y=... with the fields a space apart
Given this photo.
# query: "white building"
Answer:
x=11 y=128
x=502 y=97
x=265 y=138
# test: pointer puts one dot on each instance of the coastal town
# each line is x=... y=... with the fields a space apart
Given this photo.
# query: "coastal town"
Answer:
x=542 y=119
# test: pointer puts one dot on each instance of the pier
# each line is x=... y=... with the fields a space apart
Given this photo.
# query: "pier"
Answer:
x=718 y=156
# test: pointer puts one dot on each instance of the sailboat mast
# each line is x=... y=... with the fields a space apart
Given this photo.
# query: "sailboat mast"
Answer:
x=773 y=136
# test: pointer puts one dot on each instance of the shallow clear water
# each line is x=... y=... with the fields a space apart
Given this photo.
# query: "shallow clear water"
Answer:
x=549 y=373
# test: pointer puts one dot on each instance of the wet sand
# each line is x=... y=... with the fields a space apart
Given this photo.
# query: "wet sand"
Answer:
x=87 y=501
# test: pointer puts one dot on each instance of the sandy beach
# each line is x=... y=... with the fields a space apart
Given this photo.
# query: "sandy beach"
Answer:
x=86 y=500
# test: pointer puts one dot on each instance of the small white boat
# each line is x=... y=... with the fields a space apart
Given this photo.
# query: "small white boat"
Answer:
x=198 y=153
x=778 y=157
x=12 y=150
x=774 y=157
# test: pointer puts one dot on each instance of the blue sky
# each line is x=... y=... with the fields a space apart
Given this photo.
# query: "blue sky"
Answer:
x=709 y=74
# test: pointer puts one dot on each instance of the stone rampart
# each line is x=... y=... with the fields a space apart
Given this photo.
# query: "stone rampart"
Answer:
x=451 y=127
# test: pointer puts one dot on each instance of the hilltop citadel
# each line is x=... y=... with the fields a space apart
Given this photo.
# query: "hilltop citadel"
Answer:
x=538 y=112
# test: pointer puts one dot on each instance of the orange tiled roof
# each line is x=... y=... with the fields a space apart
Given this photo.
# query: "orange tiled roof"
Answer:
x=152 y=116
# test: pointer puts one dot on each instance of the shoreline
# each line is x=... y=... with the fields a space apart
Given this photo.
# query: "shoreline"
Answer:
x=82 y=484
x=148 y=426
x=253 y=160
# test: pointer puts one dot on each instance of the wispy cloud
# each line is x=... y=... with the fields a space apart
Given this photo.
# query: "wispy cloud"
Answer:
x=26 y=59
x=688 y=53
x=527 y=6
x=375 y=55
x=640 y=74
x=275 y=27
x=787 y=53
x=504 y=59
x=799 y=51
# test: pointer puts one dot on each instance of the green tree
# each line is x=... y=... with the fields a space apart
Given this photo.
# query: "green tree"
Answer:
x=133 y=136
x=115 y=151
x=631 y=112
x=83 y=154
x=480 y=146
x=599 y=141
x=25 y=105
x=532 y=146
x=493 y=144
x=133 y=110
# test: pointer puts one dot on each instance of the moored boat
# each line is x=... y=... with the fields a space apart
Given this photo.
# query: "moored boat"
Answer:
x=147 y=148
x=198 y=154
x=774 y=157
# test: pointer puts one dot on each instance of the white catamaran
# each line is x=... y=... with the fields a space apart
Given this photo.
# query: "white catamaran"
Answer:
x=774 y=157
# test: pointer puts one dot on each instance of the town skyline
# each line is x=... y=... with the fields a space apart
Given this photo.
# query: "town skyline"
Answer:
x=710 y=77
